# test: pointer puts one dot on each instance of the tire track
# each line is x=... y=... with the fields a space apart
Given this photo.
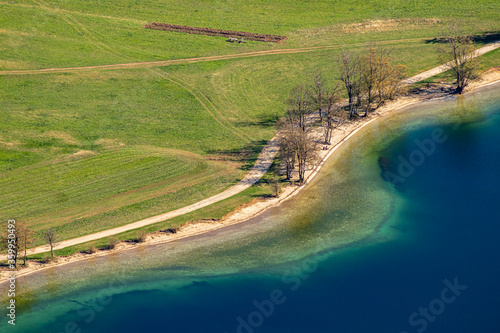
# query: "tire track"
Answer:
x=164 y=63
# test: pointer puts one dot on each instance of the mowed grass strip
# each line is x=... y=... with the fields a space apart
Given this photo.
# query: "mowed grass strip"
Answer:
x=81 y=194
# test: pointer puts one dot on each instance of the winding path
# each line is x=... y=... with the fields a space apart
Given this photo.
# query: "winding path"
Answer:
x=260 y=167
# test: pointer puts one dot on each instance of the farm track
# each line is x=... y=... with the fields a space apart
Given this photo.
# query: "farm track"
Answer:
x=164 y=63
x=207 y=104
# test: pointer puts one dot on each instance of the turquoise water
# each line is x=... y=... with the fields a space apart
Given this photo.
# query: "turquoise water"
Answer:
x=370 y=244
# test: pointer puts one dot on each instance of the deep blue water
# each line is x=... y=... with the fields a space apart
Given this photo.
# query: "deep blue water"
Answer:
x=448 y=231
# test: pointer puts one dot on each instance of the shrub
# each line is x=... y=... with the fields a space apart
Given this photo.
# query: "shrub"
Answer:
x=46 y=259
x=92 y=249
x=170 y=230
x=141 y=236
x=112 y=242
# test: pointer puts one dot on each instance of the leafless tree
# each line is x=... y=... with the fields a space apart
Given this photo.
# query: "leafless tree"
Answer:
x=463 y=65
x=380 y=79
x=305 y=148
x=51 y=238
x=10 y=241
x=332 y=108
x=299 y=104
x=296 y=146
x=369 y=77
x=26 y=238
x=317 y=93
x=287 y=146
x=349 y=70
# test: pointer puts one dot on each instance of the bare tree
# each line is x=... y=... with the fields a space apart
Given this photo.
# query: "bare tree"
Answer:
x=305 y=148
x=464 y=64
x=380 y=79
x=349 y=70
x=26 y=238
x=369 y=77
x=10 y=242
x=287 y=127
x=275 y=185
x=317 y=94
x=296 y=146
x=332 y=108
x=51 y=238
x=299 y=104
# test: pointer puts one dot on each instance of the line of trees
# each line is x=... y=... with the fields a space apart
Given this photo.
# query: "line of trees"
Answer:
x=296 y=143
x=367 y=80
x=21 y=238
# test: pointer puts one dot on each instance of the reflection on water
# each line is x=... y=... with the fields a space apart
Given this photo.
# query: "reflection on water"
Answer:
x=347 y=203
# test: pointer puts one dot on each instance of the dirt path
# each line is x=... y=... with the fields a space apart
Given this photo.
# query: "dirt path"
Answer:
x=260 y=167
x=443 y=68
x=163 y=63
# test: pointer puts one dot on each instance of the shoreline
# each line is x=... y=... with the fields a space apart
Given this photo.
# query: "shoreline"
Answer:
x=259 y=205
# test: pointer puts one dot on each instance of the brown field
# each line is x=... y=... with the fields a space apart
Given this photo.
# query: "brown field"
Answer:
x=215 y=32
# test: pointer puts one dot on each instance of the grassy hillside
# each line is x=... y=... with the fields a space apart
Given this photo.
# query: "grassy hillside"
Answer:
x=38 y=34
x=88 y=150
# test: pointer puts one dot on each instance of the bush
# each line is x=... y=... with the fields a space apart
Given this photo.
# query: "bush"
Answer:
x=112 y=242
x=141 y=236
x=92 y=249
x=46 y=259
x=170 y=230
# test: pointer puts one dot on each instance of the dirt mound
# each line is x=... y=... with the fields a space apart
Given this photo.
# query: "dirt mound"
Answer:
x=215 y=32
x=385 y=25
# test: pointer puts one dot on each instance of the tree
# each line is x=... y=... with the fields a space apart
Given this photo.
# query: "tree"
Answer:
x=299 y=104
x=332 y=107
x=10 y=242
x=296 y=145
x=305 y=148
x=380 y=79
x=350 y=76
x=317 y=93
x=369 y=77
x=51 y=238
x=288 y=126
x=464 y=64
x=26 y=238
x=275 y=185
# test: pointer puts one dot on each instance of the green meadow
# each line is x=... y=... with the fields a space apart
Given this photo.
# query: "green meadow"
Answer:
x=88 y=150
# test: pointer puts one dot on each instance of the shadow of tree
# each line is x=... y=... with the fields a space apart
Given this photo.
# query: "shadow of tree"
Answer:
x=247 y=154
x=485 y=38
x=264 y=120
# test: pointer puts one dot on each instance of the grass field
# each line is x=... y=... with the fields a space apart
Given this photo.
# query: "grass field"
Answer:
x=86 y=151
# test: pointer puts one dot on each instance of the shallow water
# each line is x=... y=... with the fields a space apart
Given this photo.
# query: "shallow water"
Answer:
x=353 y=252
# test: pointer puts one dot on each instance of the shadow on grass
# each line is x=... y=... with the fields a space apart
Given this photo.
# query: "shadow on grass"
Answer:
x=264 y=120
x=488 y=37
x=247 y=154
